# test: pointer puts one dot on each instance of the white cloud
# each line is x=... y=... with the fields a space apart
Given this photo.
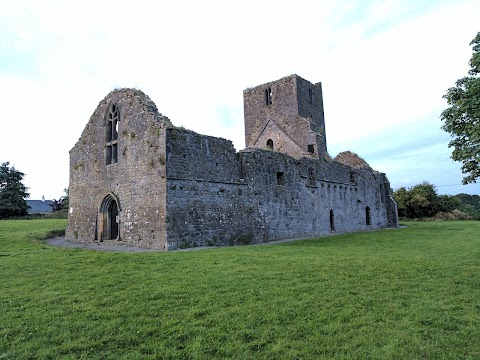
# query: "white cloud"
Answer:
x=384 y=66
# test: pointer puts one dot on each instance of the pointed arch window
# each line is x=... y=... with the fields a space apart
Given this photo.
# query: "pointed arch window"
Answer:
x=111 y=146
x=270 y=144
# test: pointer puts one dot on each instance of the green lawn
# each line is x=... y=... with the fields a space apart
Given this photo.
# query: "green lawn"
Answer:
x=394 y=294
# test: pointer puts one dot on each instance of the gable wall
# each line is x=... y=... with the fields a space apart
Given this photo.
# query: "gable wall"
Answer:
x=284 y=107
x=137 y=180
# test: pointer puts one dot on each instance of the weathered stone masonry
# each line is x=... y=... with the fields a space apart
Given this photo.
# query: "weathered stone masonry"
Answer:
x=135 y=179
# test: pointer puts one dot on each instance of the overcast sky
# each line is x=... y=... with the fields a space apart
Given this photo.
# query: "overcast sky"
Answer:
x=384 y=66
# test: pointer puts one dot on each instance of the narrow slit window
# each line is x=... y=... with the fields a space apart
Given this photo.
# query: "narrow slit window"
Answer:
x=368 y=216
x=241 y=168
x=332 y=221
x=382 y=194
x=268 y=96
x=312 y=179
x=310 y=96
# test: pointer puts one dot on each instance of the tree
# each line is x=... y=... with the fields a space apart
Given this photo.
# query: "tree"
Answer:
x=65 y=199
x=12 y=192
x=447 y=203
x=401 y=197
x=470 y=204
x=61 y=203
x=422 y=201
x=56 y=205
x=462 y=118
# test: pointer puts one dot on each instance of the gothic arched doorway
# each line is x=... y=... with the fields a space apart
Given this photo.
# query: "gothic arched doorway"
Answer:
x=108 y=219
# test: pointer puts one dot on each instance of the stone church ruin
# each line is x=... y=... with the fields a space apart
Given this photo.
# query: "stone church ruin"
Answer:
x=137 y=180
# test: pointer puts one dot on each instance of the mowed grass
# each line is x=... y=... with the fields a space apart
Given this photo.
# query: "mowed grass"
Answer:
x=405 y=293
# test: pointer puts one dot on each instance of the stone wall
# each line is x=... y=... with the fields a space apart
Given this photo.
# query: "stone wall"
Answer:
x=296 y=196
x=137 y=181
x=166 y=188
x=207 y=200
x=218 y=197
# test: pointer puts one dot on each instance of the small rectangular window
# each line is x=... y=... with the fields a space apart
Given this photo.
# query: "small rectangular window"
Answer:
x=280 y=178
x=352 y=176
x=311 y=148
x=310 y=96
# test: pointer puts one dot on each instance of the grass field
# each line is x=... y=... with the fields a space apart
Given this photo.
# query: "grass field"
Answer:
x=406 y=293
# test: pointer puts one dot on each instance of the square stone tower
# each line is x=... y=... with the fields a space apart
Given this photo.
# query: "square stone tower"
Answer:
x=286 y=116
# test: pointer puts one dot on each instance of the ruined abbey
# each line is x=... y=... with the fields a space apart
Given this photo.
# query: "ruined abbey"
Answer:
x=137 y=180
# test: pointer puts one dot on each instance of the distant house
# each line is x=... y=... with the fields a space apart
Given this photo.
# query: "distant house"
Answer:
x=40 y=206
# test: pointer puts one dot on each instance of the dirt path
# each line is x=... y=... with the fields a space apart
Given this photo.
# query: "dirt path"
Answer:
x=62 y=242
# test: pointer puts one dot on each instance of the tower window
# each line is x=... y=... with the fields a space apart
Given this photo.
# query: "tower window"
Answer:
x=368 y=217
x=311 y=148
x=280 y=178
x=111 y=152
x=270 y=144
x=268 y=96
x=310 y=96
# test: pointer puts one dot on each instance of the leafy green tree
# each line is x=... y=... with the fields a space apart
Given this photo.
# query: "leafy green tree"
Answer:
x=462 y=118
x=470 y=204
x=447 y=203
x=401 y=197
x=422 y=201
x=473 y=200
x=12 y=192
